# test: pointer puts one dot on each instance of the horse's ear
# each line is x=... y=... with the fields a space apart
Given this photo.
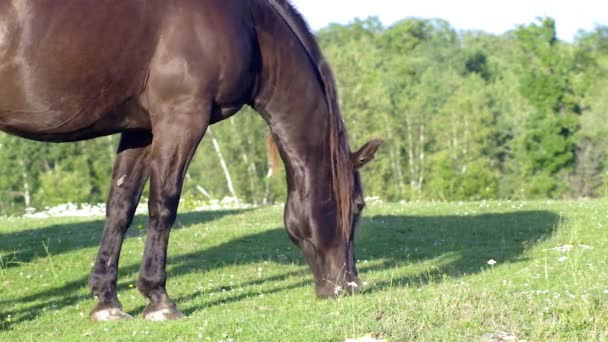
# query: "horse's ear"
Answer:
x=365 y=153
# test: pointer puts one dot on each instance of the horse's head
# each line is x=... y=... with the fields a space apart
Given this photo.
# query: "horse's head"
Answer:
x=314 y=224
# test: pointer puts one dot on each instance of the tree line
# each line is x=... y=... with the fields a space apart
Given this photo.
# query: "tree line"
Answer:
x=464 y=115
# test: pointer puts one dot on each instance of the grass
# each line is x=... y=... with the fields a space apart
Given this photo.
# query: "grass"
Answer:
x=237 y=277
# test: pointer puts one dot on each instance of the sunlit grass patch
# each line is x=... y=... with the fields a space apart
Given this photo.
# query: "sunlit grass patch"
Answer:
x=425 y=270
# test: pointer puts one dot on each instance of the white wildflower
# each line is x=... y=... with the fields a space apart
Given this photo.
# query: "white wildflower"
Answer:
x=352 y=284
x=563 y=249
x=562 y=259
x=491 y=262
x=337 y=289
x=366 y=338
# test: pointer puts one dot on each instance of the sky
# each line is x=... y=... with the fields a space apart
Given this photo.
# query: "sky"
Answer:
x=487 y=15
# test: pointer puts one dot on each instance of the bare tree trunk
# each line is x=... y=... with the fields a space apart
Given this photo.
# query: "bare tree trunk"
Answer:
x=203 y=191
x=421 y=155
x=396 y=165
x=399 y=168
x=111 y=148
x=251 y=170
x=454 y=137
x=252 y=174
x=27 y=198
x=395 y=156
x=410 y=153
x=198 y=187
x=465 y=147
x=218 y=151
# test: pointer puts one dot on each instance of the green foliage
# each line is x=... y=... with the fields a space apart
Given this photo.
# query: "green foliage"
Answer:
x=448 y=183
x=464 y=116
x=58 y=186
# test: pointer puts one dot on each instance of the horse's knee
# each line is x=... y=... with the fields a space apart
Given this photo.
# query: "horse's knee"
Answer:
x=120 y=209
x=163 y=211
x=120 y=219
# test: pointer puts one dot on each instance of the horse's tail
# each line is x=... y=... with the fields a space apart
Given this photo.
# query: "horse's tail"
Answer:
x=272 y=150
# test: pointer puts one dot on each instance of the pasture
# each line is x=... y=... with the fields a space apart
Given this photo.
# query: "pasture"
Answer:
x=237 y=277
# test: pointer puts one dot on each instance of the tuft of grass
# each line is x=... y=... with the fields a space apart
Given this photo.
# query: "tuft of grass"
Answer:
x=49 y=257
x=237 y=277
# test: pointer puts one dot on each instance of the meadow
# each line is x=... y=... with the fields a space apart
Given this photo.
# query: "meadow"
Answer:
x=462 y=271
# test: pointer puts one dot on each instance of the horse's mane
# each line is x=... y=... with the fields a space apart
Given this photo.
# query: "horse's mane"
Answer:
x=341 y=164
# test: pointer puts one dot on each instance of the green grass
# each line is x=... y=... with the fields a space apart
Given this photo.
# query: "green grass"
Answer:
x=236 y=276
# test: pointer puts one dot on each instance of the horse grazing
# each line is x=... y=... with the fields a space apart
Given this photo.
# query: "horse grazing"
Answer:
x=159 y=72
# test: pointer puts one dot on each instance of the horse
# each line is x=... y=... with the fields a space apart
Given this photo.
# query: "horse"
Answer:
x=159 y=72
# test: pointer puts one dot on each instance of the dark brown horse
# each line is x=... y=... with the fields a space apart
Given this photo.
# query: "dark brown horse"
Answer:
x=160 y=72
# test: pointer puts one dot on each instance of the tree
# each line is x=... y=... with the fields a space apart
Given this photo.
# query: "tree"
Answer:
x=546 y=151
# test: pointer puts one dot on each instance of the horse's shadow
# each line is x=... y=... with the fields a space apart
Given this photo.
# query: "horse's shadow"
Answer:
x=27 y=245
x=460 y=245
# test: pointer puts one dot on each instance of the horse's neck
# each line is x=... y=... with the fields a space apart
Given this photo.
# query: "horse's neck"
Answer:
x=305 y=120
x=294 y=108
x=290 y=97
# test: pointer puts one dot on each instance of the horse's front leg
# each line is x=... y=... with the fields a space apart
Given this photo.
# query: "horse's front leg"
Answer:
x=175 y=141
x=131 y=171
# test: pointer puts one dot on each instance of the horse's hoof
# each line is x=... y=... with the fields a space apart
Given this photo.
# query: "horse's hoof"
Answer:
x=161 y=314
x=110 y=314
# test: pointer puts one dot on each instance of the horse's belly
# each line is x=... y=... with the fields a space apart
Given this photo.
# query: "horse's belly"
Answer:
x=48 y=125
x=29 y=110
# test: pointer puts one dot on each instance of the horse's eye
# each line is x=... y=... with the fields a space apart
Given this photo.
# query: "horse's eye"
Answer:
x=359 y=205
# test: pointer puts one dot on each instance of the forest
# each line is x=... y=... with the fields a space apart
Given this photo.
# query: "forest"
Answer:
x=464 y=115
